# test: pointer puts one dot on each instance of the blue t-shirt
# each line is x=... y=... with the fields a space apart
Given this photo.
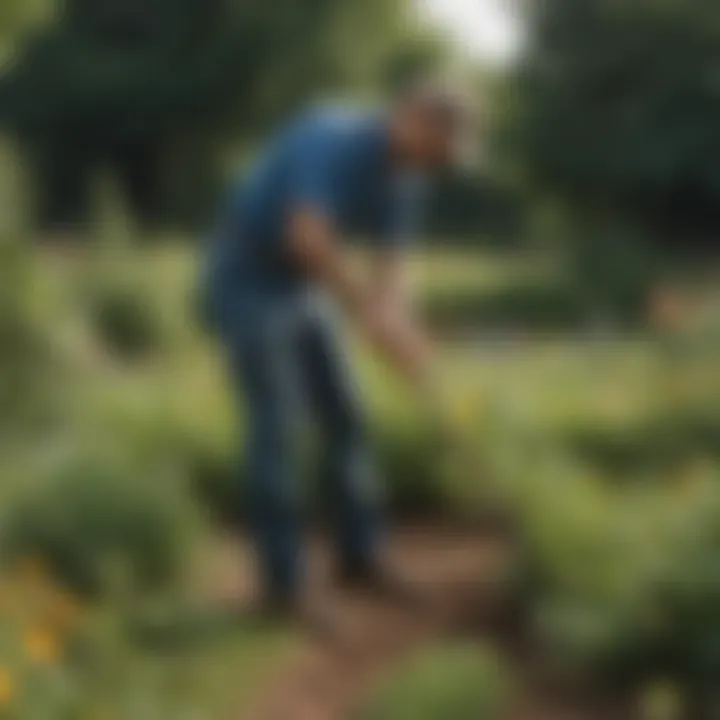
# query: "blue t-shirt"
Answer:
x=333 y=159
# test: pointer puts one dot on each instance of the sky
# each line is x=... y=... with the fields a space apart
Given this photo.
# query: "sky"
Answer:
x=487 y=28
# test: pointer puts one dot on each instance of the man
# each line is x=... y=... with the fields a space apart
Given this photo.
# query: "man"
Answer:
x=278 y=271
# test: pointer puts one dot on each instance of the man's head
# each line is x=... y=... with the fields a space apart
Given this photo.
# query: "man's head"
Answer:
x=434 y=125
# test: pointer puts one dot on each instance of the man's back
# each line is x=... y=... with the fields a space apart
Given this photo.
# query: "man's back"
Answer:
x=332 y=159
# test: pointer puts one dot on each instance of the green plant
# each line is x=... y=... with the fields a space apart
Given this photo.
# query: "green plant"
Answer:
x=96 y=526
x=662 y=443
x=621 y=585
x=532 y=305
x=446 y=683
x=125 y=322
x=408 y=464
x=24 y=349
x=216 y=480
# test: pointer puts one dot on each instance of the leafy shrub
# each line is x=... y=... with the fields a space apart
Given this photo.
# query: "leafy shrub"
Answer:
x=410 y=472
x=624 y=586
x=447 y=683
x=216 y=480
x=24 y=354
x=612 y=267
x=125 y=323
x=94 y=526
x=599 y=277
x=601 y=639
x=665 y=442
x=537 y=305
x=540 y=305
x=584 y=570
x=688 y=591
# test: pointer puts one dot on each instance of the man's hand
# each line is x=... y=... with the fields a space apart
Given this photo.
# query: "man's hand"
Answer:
x=392 y=320
x=399 y=340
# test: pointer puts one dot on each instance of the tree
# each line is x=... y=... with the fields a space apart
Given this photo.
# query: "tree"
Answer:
x=617 y=112
x=145 y=86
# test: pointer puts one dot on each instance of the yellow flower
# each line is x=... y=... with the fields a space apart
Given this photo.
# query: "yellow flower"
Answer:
x=7 y=688
x=42 y=645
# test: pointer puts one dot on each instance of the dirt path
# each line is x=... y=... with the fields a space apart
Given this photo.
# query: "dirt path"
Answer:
x=457 y=575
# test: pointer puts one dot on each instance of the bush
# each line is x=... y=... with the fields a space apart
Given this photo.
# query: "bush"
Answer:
x=623 y=586
x=665 y=442
x=601 y=640
x=24 y=350
x=448 y=683
x=94 y=526
x=537 y=305
x=125 y=323
x=216 y=480
x=410 y=472
x=688 y=590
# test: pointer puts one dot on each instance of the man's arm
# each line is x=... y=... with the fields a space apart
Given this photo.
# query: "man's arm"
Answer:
x=310 y=241
x=313 y=247
x=380 y=309
x=393 y=303
x=392 y=296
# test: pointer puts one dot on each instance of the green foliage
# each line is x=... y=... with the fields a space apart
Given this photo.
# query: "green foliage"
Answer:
x=24 y=352
x=154 y=90
x=446 y=683
x=475 y=211
x=612 y=266
x=534 y=305
x=620 y=585
x=98 y=528
x=18 y=16
x=124 y=322
x=418 y=56
x=616 y=109
x=690 y=592
x=599 y=275
x=216 y=479
x=665 y=442
x=408 y=459
x=586 y=574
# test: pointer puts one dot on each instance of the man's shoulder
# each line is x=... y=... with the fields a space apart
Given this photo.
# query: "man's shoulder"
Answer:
x=334 y=118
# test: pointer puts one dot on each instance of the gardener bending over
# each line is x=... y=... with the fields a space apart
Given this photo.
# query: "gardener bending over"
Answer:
x=278 y=274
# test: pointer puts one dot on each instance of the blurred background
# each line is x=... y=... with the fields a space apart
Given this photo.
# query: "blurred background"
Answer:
x=574 y=281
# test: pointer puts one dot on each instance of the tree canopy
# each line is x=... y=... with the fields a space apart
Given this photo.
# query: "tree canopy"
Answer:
x=617 y=104
x=131 y=82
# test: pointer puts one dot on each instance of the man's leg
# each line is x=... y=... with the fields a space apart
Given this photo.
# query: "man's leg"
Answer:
x=353 y=483
x=266 y=365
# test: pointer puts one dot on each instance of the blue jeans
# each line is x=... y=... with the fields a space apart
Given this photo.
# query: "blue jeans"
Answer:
x=289 y=365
